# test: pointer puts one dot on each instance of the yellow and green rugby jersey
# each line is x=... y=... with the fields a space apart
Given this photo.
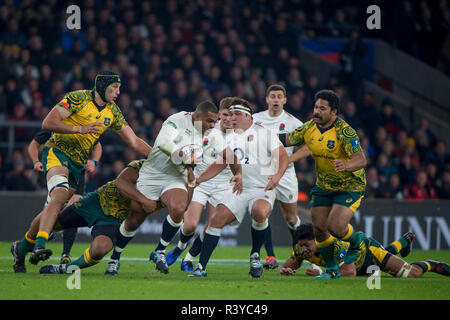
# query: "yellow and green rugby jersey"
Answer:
x=338 y=142
x=112 y=202
x=340 y=250
x=83 y=111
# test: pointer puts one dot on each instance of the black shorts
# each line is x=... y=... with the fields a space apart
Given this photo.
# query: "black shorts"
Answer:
x=81 y=190
x=68 y=218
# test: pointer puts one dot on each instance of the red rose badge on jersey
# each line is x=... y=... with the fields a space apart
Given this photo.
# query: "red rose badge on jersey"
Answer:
x=250 y=138
x=205 y=142
x=282 y=126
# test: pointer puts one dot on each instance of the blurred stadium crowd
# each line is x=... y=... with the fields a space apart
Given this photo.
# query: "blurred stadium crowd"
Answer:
x=172 y=54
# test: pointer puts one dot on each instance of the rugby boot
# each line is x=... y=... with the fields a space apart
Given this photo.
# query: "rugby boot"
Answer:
x=187 y=265
x=256 y=268
x=329 y=274
x=173 y=255
x=19 y=259
x=271 y=263
x=39 y=254
x=159 y=258
x=198 y=272
x=439 y=267
x=113 y=267
x=65 y=259
x=409 y=237
x=53 y=269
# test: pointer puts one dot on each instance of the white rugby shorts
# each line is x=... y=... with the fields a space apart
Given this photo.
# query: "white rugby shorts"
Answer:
x=153 y=185
x=241 y=204
x=287 y=189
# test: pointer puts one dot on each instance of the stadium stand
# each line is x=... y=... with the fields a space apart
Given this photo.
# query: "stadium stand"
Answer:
x=173 y=54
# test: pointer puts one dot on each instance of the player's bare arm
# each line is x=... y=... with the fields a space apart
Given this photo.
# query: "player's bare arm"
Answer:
x=134 y=142
x=96 y=155
x=357 y=161
x=281 y=159
x=33 y=152
x=301 y=153
x=54 y=122
x=126 y=184
x=289 y=267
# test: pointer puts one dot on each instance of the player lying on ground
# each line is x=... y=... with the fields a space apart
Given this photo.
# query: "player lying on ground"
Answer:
x=103 y=210
x=372 y=253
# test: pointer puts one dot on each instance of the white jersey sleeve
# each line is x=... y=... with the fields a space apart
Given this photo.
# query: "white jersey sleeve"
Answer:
x=285 y=123
x=158 y=161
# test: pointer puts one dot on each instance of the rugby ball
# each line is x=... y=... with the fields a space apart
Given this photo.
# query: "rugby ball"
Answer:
x=189 y=152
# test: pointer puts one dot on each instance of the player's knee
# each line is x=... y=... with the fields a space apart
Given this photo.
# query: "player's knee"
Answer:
x=337 y=231
x=133 y=222
x=188 y=227
x=176 y=211
x=259 y=216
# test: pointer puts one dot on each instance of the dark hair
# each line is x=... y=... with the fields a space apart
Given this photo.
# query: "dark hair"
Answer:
x=304 y=231
x=275 y=87
x=225 y=103
x=242 y=102
x=205 y=107
x=330 y=96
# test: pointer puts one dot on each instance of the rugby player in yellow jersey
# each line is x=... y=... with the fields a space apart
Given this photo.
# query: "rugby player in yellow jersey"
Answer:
x=103 y=210
x=77 y=122
x=341 y=179
x=372 y=253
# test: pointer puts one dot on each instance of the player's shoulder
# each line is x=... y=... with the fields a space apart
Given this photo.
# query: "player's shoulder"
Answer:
x=308 y=125
x=289 y=117
x=79 y=96
x=344 y=129
x=259 y=115
x=177 y=119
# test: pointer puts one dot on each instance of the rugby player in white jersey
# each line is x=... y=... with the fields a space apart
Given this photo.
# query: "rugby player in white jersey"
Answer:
x=164 y=177
x=210 y=192
x=264 y=161
x=279 y=121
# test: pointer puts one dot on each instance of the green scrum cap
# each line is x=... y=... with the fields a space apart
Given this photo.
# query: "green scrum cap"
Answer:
x=103 y=80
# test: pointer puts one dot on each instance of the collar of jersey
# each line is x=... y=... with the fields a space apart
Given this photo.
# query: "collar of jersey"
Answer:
x=99 y=108
x=326 y=129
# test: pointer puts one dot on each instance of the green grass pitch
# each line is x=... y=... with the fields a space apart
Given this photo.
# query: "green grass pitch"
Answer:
x=228 y=279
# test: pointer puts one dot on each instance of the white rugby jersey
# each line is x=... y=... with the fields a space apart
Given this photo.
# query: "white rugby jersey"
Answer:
x=253 y=148
x=213 y=144
x=158 y=161
x=284 y=123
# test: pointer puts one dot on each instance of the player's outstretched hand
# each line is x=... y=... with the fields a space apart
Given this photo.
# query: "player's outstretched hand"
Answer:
x=286 y=271
x=339 y=165
x=237 y=180
x=38 y=166
x=92 y=128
